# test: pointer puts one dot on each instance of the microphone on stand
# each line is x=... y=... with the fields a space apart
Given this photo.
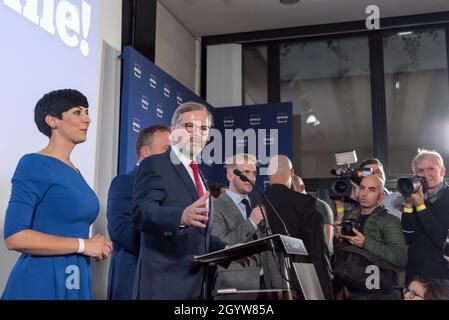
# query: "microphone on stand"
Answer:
x=244 y=178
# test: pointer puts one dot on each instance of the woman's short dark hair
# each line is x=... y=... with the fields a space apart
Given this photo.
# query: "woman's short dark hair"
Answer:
x=54 y=104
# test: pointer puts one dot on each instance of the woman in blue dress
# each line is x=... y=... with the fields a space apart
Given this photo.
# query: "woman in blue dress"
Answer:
x=51 y=208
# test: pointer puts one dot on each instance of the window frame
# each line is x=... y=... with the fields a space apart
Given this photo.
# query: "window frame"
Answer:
x=273 y=38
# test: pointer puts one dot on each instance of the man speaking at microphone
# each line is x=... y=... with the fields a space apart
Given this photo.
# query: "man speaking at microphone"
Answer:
x=236 y=221
x=171 y=209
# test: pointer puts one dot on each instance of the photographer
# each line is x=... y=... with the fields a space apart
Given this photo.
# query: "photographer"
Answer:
x=378 y=236
x=425 y=219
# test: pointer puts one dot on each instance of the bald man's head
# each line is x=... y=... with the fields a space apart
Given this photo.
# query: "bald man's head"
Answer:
x=280 y=170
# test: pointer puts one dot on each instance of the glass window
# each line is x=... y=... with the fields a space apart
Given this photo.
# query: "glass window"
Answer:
x=254 y=75
x=417 y=95
x=328 y=82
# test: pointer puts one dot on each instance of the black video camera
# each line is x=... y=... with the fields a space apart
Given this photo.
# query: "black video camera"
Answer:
x=408 y=186
x=341 y=187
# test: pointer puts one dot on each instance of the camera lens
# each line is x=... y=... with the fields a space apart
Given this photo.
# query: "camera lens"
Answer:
x=405 y=186
x=341 y=187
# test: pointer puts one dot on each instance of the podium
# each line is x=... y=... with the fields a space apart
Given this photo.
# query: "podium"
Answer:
x=298 y=279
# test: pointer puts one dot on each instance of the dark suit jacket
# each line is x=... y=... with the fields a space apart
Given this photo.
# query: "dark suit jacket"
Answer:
x=124 y=236
x=165 y=269
x=303 y=222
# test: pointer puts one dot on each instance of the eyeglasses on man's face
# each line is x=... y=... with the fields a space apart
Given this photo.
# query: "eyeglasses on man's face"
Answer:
x=191 y=127
x=412 y=293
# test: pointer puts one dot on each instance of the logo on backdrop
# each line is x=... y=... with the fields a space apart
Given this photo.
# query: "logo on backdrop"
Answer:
x=153 y=81
x=179 y=99
x=137 y=71
x=255 y=120
x=159 y=111
x=268 y=141
x=167 y=90
x=241 y=142
x=70 y=22
x=136 y=125
x=145 y=102
x=228 y=122
x=282 y=117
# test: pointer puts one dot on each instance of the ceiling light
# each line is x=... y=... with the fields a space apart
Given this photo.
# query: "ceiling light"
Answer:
x=405 y=33
x=311 y=119
x=398 y=85
x=289 y=1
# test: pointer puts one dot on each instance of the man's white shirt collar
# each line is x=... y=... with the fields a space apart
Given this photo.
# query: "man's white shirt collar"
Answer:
x=185 y=160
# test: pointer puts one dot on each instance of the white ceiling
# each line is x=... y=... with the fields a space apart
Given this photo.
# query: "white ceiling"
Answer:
x=213 y=17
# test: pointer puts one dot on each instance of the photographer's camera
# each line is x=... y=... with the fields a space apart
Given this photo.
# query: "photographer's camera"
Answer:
x=346 y=228
x=410 y=185
x=342 y=187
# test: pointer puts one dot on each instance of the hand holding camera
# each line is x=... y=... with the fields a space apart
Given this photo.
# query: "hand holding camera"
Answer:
x=357 y=239
x=415 y=199
x=347 y=227
x=413 y=190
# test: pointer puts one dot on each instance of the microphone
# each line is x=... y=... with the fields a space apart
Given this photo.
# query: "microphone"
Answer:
x=264 y=224
x=244 y=178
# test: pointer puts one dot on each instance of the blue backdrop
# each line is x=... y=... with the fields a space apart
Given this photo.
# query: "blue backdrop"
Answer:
x=263 y=119
x=150 y=96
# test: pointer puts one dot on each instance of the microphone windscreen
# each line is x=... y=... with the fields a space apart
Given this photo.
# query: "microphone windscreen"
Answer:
x=242 y=177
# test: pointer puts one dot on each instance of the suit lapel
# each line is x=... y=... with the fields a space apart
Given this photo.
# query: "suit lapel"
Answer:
x=183 y=174
x=203 y=179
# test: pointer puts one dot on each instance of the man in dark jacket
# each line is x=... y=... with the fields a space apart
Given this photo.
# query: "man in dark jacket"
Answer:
x=125 y=238
x=301 y=218
x=378 y=233
x=425 y=219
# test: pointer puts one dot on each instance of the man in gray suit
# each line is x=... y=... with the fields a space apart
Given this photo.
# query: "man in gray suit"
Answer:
x=235 y=221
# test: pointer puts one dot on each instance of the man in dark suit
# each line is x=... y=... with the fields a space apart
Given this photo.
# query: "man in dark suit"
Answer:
x=171 y=209
x=236 y=221
x=301 y=218
x=125 y=238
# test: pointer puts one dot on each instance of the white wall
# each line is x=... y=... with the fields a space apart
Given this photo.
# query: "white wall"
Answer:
x=224 y=75
x=110 y=33
x=108 y=117
x=175 y=48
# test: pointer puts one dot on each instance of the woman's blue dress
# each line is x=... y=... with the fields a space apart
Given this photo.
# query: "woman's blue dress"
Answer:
x=50 y=197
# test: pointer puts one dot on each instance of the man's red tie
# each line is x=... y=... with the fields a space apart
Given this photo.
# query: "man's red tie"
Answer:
x=196 y=176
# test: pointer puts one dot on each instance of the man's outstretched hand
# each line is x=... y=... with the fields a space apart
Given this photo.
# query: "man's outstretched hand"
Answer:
x=197 y=214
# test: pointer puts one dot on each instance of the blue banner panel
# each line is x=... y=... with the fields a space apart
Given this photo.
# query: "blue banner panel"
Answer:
x=150 y=96
x=261 y=130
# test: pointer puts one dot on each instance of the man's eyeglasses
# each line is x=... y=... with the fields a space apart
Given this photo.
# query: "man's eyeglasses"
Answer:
x=411 y=293
x=190 y=127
